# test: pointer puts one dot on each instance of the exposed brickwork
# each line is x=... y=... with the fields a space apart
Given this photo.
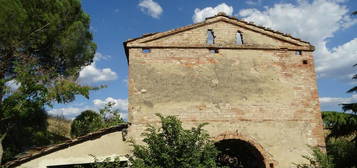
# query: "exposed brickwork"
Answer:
x=261 y=91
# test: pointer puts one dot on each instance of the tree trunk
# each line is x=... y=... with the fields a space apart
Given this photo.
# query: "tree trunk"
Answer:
x=1 y=148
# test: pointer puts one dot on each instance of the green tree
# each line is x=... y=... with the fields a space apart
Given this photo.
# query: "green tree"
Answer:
x=110 y=115
x=351 y=106
x=349 y=128
x=90 y=121
x=340 y=124
x=43 y=46
x=341 y=141
x=172 y=146
x=343 y=152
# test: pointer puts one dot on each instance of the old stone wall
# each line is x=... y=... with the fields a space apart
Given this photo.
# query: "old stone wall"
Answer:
x=267 y=94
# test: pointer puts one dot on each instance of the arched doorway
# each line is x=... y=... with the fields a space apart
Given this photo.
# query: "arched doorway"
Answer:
x=237 y=153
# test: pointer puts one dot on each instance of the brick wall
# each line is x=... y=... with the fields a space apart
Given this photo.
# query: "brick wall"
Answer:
x=262 y=89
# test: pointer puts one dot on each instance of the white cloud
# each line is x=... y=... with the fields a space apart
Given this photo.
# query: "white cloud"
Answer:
x=121 y=104
x=338 y=100
x=338 y=61
x=316 y=22
x=93 y=74
x=201 y=14
x=69 y=112
x=75 y=110
x=334 y=102
x=151 y=7
x=253 y=2
x=99 y=56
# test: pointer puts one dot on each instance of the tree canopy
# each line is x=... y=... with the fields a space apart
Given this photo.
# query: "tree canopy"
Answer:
x=43 y=46
x=90 y=121
x=341 y=140
x=340 y=124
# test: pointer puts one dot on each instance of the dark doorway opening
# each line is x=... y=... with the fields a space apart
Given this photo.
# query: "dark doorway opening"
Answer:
x=239 y=154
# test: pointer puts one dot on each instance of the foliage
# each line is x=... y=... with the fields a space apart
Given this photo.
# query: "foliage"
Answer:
x=106 y=163
x=340 y=124
x=110 y=115
x=351 y=106
x=341 y=141
x=343 y=152
x=90 y=121
x=43 y=46
x=29 y=131
x=318 y=159
x=172 y=146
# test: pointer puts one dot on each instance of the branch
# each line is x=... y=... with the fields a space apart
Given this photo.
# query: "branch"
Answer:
x=3 y=136
x=37 y=30
x=3 y=119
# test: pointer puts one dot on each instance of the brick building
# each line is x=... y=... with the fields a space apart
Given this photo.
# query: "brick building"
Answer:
x=255 y=87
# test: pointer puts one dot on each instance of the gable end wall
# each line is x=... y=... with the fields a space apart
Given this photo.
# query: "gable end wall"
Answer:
x=267 y=95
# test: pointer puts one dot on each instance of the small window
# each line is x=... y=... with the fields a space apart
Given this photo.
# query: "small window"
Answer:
x=239 y=38
x=305 y=62
x=298 y=52
x=210 y=36
x=146 y=50
x=213 y=51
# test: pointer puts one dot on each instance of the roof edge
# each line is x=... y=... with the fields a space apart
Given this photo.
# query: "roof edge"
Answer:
x=258 y=26
x=221 y=14
x=56 y=147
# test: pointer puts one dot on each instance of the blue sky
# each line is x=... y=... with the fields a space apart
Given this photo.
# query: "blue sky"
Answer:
x=327 y=24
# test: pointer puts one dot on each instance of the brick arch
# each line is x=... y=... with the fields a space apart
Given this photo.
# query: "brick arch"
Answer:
x=268 y=161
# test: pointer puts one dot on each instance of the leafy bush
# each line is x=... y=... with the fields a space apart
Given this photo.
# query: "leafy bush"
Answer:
x=90 y=121
x=107 y=163
x=172 y=146
x=343 y=152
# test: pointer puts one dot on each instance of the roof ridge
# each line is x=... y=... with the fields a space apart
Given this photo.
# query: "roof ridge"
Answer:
x=223 y=15
x=255 y=25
